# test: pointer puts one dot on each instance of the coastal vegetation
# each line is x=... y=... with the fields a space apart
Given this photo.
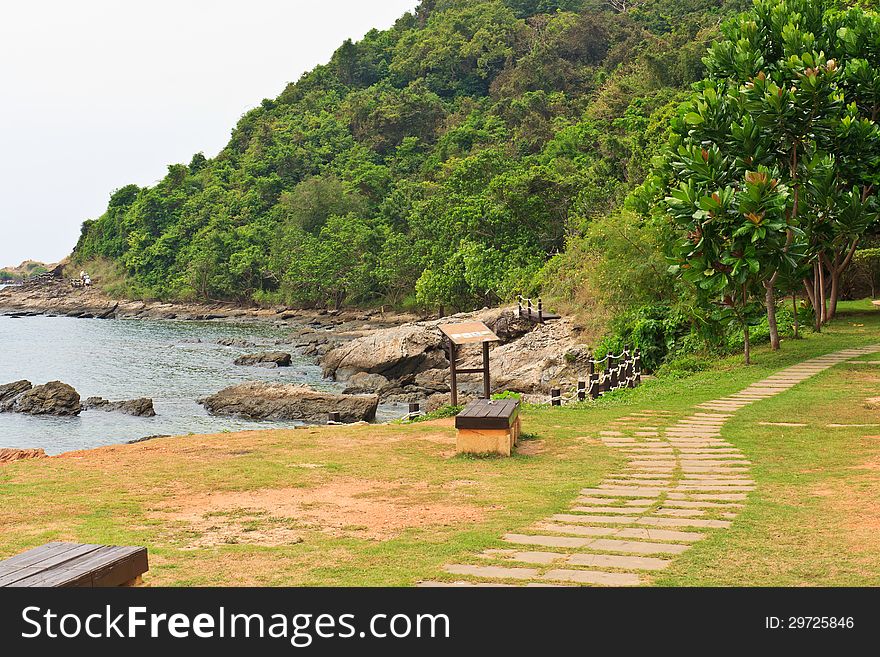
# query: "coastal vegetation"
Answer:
x=25 y=270
x=443 y=161
x=481 y=149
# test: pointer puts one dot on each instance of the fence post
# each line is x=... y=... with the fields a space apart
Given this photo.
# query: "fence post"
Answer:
x=556 y=397
x=519 y=305
x=540 y=310
x=594 y=386
x=413 y=410
x=333 y=418
x=582 y=390
x=637 y=366
x=611 y=371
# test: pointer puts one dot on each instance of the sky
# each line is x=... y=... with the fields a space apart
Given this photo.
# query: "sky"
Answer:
x=97 y=94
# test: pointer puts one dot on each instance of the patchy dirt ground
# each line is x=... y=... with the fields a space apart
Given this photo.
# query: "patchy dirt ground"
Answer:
x=343 y=507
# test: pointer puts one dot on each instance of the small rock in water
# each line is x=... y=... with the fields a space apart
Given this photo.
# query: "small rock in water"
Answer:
x=145 y=439
x=236 y=342
x=53 y=398
x=141 y=407
x=279 y=358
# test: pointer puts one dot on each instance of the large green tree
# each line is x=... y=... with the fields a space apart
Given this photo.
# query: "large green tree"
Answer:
x=794 y=88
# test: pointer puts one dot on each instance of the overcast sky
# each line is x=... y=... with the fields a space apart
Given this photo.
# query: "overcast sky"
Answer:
x=96 y=94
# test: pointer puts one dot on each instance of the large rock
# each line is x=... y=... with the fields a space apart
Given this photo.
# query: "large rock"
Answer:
x=363 y=382
x=53 y=398
x=393 y=353
x=141 y=407
x=279 y=401
x=278 y=358
x=8 y=455
x=10 y=391
x=541 y=359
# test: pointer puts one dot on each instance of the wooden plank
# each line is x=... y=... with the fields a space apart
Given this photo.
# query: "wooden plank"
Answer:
x=33 y=555
x=72 y=564
x=80 y=568
x=468 y=333
x=488 y=416
x=110 y=566
x=39 y=562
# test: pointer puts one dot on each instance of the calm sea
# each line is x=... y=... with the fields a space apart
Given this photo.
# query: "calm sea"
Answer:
x=173 y=362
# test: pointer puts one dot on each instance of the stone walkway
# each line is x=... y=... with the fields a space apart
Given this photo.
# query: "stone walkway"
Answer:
x=680 y=483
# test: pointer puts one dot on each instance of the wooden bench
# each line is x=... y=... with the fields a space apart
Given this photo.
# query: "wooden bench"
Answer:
x=488 y=427
x=75 y=565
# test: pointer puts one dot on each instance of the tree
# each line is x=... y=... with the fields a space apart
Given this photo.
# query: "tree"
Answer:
x=732 y=229
x=801 y=86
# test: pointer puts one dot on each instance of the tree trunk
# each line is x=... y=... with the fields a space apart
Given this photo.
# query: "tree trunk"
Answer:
x=813 y=292
x=836 y=272
x=771 y=312
x=747 y=350
x=835 y=291
x=797 y=334
x=823 y=308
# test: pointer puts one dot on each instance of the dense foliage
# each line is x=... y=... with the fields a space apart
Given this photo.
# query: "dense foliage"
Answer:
x=442 y=161
x=773 y=167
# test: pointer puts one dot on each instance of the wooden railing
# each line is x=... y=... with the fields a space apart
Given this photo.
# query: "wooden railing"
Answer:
x=620 y=371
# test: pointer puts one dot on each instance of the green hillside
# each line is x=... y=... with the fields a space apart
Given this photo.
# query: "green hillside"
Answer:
x=442 y=161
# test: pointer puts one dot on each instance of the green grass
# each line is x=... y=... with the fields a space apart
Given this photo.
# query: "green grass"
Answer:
x=390 y=505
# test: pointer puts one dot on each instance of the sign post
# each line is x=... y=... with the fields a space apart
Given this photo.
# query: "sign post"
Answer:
x=462 y=334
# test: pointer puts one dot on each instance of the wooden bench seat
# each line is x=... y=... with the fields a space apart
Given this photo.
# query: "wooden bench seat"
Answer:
x=488 y=427
x=75 y=565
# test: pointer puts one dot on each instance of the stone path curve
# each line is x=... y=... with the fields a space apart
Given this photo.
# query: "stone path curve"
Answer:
x=680 y=483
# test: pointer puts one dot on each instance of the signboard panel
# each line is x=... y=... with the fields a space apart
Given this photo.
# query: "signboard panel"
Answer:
x=468 y=333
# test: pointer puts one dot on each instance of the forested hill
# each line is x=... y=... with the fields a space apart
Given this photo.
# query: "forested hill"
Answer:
x=442 y=161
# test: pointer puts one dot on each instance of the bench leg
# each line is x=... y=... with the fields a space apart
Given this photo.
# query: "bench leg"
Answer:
x=136 y=582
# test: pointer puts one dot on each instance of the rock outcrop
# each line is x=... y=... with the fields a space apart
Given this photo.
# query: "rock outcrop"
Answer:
x=53 y=398
x=529 y=358
x=8 y=455
x=278 y=401
x=10 y=391
x=272 y=358
x=362 y=382
x=141 y=407
x=393 y=353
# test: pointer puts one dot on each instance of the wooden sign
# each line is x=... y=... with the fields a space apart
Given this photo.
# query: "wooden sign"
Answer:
x=468 y=333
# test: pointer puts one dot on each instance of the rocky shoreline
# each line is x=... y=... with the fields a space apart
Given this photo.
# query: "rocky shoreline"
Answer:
x=394 y=357
x=56 y=298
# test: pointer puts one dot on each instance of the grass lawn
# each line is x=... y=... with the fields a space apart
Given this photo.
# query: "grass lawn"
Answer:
x=389 y=505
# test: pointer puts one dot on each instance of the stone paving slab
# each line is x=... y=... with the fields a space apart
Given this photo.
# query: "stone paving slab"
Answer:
x=617 y=561
x=627 y=502
x=623 y=492
x=548 y=541
x=636 y=547
x=614 y=510
x=680 y=513
x=715 y=496
x=593 y=577
x=593 y=519
x=576 y=530
x=688 y=504
x=527 y=556
x=492 y=572
x=443 y=585
x=682 y=522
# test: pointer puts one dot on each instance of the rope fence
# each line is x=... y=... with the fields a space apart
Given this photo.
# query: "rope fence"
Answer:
x=525 y=307
x=621 y=371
